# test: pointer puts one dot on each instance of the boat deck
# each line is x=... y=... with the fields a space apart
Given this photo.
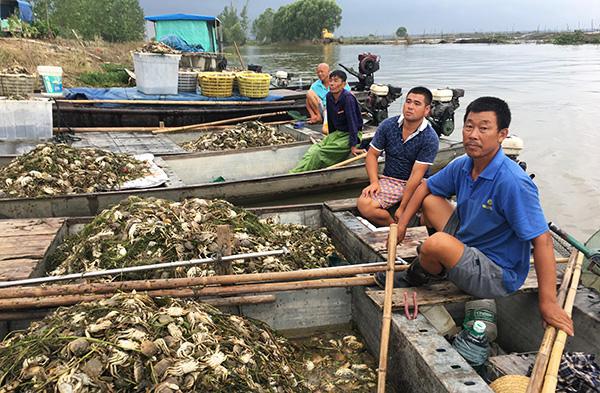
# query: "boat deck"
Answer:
x=23 y=245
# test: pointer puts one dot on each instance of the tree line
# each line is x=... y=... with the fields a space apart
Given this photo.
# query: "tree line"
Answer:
x=110 y=20
x=300 y=20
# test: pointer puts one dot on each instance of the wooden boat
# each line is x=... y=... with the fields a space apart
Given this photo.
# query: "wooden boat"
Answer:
x=421 y=360
x=172 y=114
x=251 y=176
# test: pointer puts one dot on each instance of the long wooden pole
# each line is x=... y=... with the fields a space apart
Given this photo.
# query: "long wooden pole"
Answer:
x=56 y=301
x=173 y=283
x=541 y=360
x=214 y=123
x=217 y=302
x=186 y=103
x=78 y=130
x=348 y=161
x=387 y=308
x=551 y=379
x=237 y=50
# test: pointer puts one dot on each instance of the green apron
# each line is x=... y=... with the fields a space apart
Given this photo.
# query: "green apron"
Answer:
x=331 y=150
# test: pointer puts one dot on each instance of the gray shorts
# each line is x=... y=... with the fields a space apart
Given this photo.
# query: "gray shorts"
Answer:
x=475 y=273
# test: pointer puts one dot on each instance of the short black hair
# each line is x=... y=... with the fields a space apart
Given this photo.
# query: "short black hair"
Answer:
x=339 y=74
x=425 y=92
x=491 y=104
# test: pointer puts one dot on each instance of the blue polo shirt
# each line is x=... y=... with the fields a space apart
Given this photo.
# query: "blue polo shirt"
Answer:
x=400 y=155
x=321 y=90
x=344 y=115
x=500 y=212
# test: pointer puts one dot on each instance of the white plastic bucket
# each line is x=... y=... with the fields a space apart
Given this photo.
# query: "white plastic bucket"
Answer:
x=52 y=80
x=156 y=73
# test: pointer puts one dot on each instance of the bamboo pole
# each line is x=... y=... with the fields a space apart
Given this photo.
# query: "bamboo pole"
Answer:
x=541 y=360
x=217 y=302
x=551 y=379
x=214 y=123
x=78 y=130
x=173 y=283
x=237 y=50
x=186 y=103
x=56 y=301
x=387 y=308
x=348 y=161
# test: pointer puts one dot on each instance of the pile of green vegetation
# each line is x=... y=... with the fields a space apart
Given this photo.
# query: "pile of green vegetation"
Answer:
x=111 y=75
x=577 y=37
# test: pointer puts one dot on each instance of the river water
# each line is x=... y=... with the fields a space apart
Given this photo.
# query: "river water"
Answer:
x=553 y=92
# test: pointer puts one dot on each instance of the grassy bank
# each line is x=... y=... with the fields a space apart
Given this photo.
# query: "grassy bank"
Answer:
x=84 y=64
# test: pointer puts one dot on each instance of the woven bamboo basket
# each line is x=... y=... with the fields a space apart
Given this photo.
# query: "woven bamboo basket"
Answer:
x=510 y=384
x=16 y=84
x=216 y=84
x=253 y=84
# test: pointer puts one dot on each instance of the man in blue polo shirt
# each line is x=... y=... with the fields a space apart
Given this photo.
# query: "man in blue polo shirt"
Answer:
x=483 y=245
x=410 y=145
x=345 y=124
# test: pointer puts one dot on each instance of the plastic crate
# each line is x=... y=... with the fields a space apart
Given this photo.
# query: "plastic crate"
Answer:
x=216 y=84
x=253 y=84
x=16 y=84
x=26 y=119
x=156 y=73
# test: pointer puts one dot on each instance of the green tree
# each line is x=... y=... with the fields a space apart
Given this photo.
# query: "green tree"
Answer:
x=235 y=26
x=262 y=27
x=305 y=19
x=112 y=20
x=401 y=32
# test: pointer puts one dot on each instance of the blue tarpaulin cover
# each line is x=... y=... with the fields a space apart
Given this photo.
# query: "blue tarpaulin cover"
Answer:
x=179 y=17
x=25 y=11
x=180 y=44
x=131 y=93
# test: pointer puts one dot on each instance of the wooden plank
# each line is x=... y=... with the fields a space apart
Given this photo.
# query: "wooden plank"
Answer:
x=406 y=249
x=18 y=269
x=440 y=293
x=341 y=204
x=21 y=227
x=514 y=364
x=25 y=247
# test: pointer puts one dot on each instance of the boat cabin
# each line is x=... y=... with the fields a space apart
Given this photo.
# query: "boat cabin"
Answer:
x=195 y=30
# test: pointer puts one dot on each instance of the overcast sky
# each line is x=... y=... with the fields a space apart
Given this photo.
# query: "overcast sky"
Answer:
x=381 y=17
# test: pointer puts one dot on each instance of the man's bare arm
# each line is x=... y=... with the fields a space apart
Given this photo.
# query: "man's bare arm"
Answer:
x=411 y=208
x=416 y=175
x=545 y=268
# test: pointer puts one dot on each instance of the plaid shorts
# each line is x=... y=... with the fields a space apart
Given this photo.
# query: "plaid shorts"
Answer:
x=391 y=191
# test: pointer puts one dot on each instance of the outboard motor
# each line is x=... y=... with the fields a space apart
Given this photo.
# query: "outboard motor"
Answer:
x=282 y=79
x=379 y=100
x=368 y=64
x=445 y=102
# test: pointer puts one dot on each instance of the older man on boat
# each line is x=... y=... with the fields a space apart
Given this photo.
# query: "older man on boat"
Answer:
x=344 y=122
x=316 y=95
x=483 y=243
x=410 y=145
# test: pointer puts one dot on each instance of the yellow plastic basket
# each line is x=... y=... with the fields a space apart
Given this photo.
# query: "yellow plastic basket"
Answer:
x=253 y=84
x=16 y=84
x=216 y=84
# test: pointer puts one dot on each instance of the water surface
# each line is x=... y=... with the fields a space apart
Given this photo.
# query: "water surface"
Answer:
x=553 y=92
